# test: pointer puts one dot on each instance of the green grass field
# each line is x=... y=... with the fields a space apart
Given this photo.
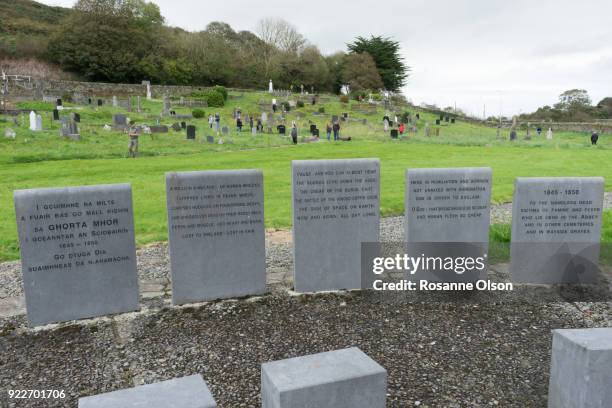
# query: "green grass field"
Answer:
x=43 y=159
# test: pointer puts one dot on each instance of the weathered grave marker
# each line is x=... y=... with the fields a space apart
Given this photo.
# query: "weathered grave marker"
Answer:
x=77 y=251
x=216 y=234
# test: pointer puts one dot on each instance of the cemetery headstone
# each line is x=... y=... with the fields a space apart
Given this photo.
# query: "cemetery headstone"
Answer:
x=394 y=134
x=76 y=117
x=176 y=127
x=225 y=130
x=129 y=104
x=38 y=126
x=77 y=251
x=166 y=106
x=437 y=121
x=115 y=102
x=210 y=139
x=333 y=201
x=100 y=102
x=313 y=127
x=581 y=368
x=159 y=129
x=556 y=227
x=183 y=125
x=138 y=104
x=281 y=129
x=191 y=132
x=55 y=114
x=452 y=121
x=184 y=392
x=32 y=120
x=447 y=214
x=119 y=121
x=348 y=377
x=216 y=234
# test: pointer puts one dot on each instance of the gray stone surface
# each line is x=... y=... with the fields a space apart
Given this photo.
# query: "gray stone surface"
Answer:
x=336 y=208
x=216 y=233
x=345 y=378
x=119 y=121
x=78 y=251
x=447 y=213
x=581 y=368
x=185 y=392
x=556 y=227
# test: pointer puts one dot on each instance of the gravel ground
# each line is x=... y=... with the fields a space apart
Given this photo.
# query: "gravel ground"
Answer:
x=483 y=351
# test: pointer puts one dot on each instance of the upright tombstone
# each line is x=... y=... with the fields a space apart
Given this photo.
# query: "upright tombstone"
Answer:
x=184 y=392
x=33 y=120
x=166 y=106
x=346 y=378
x=556 y=227
x=210 y=139
x=336 y=208
x=115 y=102
x=76 y=117
x=447 y=214
x=119 y=121
x=216 y=234
x=39 y=126
x=78 y=252
x=191 y=132
x=129 y=103
x=56 y=114
x=148 y=85
x=138 y=104
x=281 y=129
x=581 y=368
x=100 y=102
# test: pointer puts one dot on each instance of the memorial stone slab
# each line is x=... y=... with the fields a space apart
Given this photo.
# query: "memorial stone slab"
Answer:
x=191 y=132
x=77 y=251
x=336 y=208
x=210 y=139
x=159 y=129
x=447 y=213
x=556 y=228
x=55 y=114
x=185 y=392
x=216 y=234
x=581 y=368
x=346 y=378
x=119 y=121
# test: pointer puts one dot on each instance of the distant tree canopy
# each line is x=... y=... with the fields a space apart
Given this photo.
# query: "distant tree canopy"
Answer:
x=127 y=41
x=386 y=55
x=573 y=105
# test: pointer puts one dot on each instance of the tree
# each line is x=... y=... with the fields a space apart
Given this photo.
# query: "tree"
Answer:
x=574 y=100
x=386 y=55
x=360 y=72
x=281 y=35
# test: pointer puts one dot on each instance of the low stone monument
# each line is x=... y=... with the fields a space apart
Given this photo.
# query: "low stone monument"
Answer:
x=216 y=234
x=345 y=378
x=581 y=368
x=119 y=121
x=447 y=213
x=336 y=208
x=191 y=132
x=78 y=252
x=185 y=392
x=556 y=228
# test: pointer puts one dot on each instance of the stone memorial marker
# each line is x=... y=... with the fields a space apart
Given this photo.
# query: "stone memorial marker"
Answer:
x=115 y=102
x=556 y=229
x=346 y=378
x=333 y=201
x=100 y=102
x=581 y=368
x=191 y=132
x=32 y=120
x=225 y=130
x=166 y=106
x=176 y=127
x=159 y=129
x=138 y=103
x=56 y=114
x=210 y=139
x=39 y=126
x=281 y=129
x=76 y=117
x=119 y=121
x=394 y=134
x=185 y=392
x=447 y=214
x=129 y=104
x=216 y=234
x=183 y=125
x=77 y=251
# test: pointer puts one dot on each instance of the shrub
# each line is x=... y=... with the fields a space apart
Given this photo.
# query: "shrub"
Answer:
x=287 y=106
x=198 y=113
x=214 y=99
x=321 y=109
x=344 y=98
x=222 y=90
x=300 y=104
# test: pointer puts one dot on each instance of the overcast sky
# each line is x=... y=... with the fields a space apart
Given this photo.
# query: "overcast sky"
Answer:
x=513 y=55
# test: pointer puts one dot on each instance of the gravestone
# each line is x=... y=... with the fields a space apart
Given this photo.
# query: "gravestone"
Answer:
x=313 y=127
x=581 y=368
x=89 y=101
x=346 y=378
x=129 y=104
x=76 y=117
x=159 y=129
x=119 y=121
x=556 y=227
x=115 y=102
x=334 y=118
x=447 y=213
x=216 y=234
x=281 y=129
x=77 y=251
x=183 y=125
x=69 y=129
x=185 y=392
x=191 y=132
x=39 y=126
x=394 y=134
x=176 y=127
x=138 y=104
x=452 y=121
x=333 y=201
x=32 y=120
x=225 y=130
x=437 y=121
x=100 y=102
x=264 y=117
x=210 y=139
x=166 y=106
x=56 y=114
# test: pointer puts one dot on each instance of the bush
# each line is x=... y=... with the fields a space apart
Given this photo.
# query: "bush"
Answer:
x=321 y=109
x=198 y=113
x=300 y=104
x=286 y=106
x=344 y=98
x=221 y=90
x=214 y=99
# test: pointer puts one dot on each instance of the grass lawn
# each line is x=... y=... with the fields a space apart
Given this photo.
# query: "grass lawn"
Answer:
x=146 y=175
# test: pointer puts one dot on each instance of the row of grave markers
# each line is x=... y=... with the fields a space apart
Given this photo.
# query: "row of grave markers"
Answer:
x=79 y=258
x=348 y=378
